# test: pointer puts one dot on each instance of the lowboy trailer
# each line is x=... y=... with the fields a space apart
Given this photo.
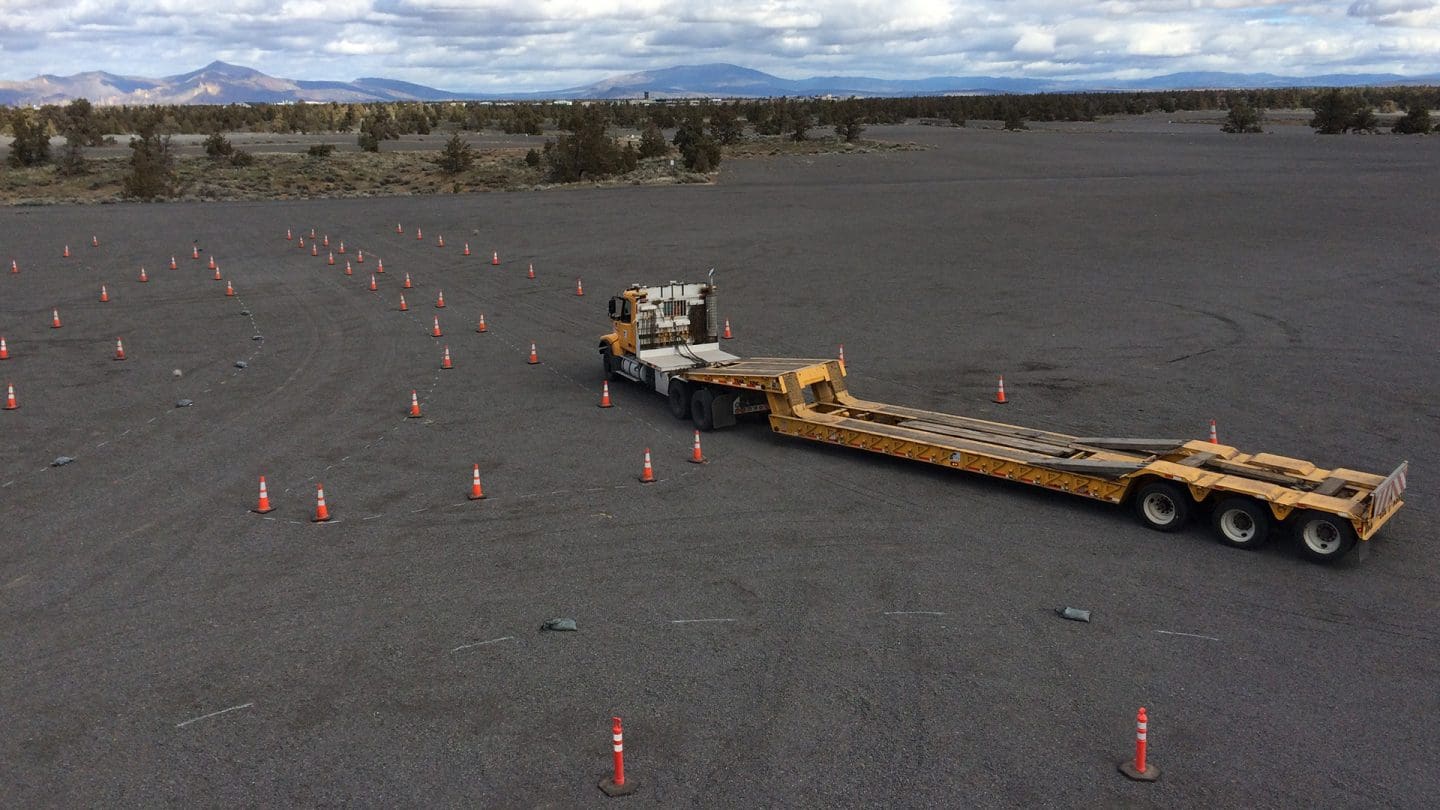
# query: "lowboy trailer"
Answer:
x=666 y=337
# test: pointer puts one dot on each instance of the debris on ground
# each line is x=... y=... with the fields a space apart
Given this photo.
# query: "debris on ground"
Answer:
x=559 y=624
x=61 y=461
x=241 y=364
x=184 y=403
x=1074 y=614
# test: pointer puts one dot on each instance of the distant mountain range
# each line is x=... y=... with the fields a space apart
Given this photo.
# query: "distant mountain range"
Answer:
x=221 y=83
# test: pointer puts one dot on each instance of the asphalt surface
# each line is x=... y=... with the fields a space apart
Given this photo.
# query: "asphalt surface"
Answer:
x=877 y=633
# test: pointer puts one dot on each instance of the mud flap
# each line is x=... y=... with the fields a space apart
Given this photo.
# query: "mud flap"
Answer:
x=723 y=410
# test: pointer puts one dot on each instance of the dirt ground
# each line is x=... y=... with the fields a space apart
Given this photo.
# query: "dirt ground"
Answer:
x=788 y=624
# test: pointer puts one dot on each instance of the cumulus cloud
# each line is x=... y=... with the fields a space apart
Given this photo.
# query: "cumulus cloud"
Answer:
x=545 y=44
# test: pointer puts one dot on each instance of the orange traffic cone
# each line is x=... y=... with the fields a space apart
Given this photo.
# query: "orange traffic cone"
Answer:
x=218 y=277
x=695 y=455
x=312 y=233
x=495 y=257
x=1000 y=392
x=348 y=271
x=331 y=260
x=605 y=395
x=435 y=332
x=14 y=267
x=143 y=277
x=314 y=249
x=476 y=493
x=229 y=290
x=359 y=257
x=173 y=265
x=727 y=334
x=373 y=288
x=326 y=240
x=399 y=229
x=647 y=474
x=1214 y=438
x=579 y=288
x=4 y=350
x=263 y=505
x=94 y=241
x=440 y=242
x=342 y=247
x=842 y=358
x=530 y=273
x=418 y=235
x=414 y=406
x=119 y=349
x=404 y=307
x=67 y=251
x=440 y=300
x=211 y=265
x=322 y=513
x=195 y=252
x=302 y=243
x=289 y=235
x=534 y=358
x=104 y=294
x=467 y=249
x=379 y=265
x=10 y=403
x=407 y=285
x=54 y=319
x=480 y=327
x=445 y=360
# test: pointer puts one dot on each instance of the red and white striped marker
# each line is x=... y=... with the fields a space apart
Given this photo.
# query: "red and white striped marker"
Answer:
x=604 y=389
x=119 y=349
x=263 y=505
x=1214 y=437
x=4 y=350
x=322 y=513
x=1138 y=769
x=10 y=402
x=696 y=457
x=842 y=358
x=615 y=785
x=476 y=493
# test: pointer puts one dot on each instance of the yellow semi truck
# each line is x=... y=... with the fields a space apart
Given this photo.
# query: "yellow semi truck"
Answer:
x=667 y=337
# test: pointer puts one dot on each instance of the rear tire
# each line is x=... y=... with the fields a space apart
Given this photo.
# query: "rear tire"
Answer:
x=1162 y=506
x=1324 y=537
x=678 y=395
x=702 y=409
x=1241 y=522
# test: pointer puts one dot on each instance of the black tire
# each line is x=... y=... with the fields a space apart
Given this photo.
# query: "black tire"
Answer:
x=679 y=397
x=1323 y=537
x=1162 y=506
x=702 y=409
x=1241 y=522
x=607 y=361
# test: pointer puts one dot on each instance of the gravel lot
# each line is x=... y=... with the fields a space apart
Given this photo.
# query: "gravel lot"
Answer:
x=883 y=634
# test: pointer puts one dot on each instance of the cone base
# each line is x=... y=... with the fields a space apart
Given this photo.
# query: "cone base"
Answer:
x=11 y=408
x=609 y=788
x=1150 y=774
x=607 y=405
x=412 y=416
x=533 y=362
x=999 y=401
x=474 y=497
x=701 y=460
x=645 y=480
x=267 y=510
x=319 y=519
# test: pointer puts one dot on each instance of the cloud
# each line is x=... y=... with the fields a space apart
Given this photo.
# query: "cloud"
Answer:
x=545 y=44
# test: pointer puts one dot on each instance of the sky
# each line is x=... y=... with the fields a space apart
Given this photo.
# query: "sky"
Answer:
x=499 y=45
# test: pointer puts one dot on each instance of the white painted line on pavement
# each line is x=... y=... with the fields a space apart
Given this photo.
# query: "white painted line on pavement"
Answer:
x=481 y=643
x=213 y=714
x=914 y=613
x=1187 y=635
x=692 y=621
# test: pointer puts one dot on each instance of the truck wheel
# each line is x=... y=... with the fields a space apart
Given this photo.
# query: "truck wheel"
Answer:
x=702 y=408
x=1242 y=522
x=679 y=396
x=607 y=360
x=1162 y=506
x=1324 y=537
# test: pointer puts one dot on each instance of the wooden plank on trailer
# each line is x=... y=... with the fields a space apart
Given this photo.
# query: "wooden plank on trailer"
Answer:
x=1047 y=448
x=1198 y=460
x=966 y=422
x=1330 y=486
x=942 y=443
x=1241 y=471
x=1154 y=447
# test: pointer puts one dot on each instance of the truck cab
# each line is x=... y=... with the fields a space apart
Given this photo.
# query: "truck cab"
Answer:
x=658 y=332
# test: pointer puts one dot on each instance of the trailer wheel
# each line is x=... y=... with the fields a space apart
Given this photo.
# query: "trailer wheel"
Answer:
x=1241 y=522
x=679 y=397
x=702 y=408
x=1324 y=537
x=1162 y=506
